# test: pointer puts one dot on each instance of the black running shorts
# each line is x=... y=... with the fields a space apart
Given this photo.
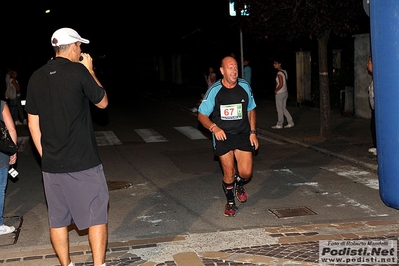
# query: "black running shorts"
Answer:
x=232 y=142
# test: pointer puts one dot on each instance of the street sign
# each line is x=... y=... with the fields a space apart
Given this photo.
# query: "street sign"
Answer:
x=232 y=9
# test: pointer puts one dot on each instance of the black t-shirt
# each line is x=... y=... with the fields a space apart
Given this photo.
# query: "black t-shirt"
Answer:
x=60 y=93
x=229 y=108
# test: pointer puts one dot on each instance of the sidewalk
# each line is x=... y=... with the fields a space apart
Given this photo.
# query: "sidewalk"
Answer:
x=282 y=245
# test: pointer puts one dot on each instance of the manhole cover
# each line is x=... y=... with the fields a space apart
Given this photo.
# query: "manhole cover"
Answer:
x=114 y=185
x=292 y=212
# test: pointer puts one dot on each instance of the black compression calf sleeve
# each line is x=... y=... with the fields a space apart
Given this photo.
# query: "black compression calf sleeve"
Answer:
x=229 y=191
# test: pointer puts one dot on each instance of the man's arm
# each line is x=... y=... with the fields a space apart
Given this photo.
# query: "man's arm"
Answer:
x=104 y=102
x=253 y=135
x=205 y=121
x=252 y=119
x=212 y=127
x=9 y=122
x=87 y=61
x=36 y=134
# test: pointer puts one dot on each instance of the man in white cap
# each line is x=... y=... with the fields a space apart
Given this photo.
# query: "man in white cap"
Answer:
x=58 y=106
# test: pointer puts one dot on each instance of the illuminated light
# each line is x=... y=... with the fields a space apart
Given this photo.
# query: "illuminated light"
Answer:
x=232 y=11
x=47 y=11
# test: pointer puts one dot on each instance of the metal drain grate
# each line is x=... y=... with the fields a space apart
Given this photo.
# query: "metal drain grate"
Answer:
x=115 y=185
x=292 y=212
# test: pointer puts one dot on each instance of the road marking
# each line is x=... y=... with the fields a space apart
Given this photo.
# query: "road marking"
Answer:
x=191 y=132
x=356 y=175
x=150 y=135
x=106 y=138
x=275 y=141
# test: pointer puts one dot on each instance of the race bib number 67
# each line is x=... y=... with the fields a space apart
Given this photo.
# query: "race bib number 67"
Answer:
x=231 y=112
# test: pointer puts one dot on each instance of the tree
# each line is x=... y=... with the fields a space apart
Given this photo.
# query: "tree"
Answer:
x=313 y=19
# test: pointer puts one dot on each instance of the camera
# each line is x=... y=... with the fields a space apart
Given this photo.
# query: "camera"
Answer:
x=13 y=172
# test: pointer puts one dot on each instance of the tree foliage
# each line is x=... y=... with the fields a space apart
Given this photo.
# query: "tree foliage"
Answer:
x=293 y=19
x=306 y=19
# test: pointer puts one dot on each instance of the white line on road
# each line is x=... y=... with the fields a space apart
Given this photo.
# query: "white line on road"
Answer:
x=271 y=140
x=191 y=132
x=150 y=135
x=106 y=138
x=354 y=174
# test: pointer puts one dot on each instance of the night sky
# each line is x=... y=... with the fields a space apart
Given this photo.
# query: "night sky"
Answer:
x=125 y=32
x=119 y=26
x=119 y=30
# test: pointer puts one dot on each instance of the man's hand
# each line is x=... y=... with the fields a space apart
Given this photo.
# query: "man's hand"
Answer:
x=254 y=141
x=87 y=61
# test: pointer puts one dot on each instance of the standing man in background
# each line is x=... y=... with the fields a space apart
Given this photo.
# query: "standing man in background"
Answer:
x=58 y=106
x=247 y=70
x=228 y=111
x=18 y=109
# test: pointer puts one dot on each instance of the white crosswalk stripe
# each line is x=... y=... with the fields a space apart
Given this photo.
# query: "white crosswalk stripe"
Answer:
x=106 y=138
x=191 y=132
x=150 y=135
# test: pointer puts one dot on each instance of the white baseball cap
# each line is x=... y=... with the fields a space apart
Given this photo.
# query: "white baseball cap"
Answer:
x=66 y=36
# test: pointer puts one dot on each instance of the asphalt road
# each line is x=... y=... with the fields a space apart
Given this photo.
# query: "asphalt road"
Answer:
x=166 y=182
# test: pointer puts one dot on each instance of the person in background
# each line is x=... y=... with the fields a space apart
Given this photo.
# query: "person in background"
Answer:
x=247 y=71
x=281 y=96
x=10 y=93
x=228 y=111
x=372 y=150
x=19 y=111
x=5 y=162
x=210 y=78
x=8 y=76
x=59 y=120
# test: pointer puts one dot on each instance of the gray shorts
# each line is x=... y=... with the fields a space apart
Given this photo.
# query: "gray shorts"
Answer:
x=78 y=197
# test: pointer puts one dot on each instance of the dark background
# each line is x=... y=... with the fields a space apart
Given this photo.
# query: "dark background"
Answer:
x=130 y=35
x=119 y=30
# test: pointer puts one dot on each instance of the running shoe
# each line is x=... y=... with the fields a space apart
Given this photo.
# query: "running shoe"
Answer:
x=289 y=125
x=373 y=151
x=4 y=229
x=241 y=193
x=277 y=127
x=230 y=209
